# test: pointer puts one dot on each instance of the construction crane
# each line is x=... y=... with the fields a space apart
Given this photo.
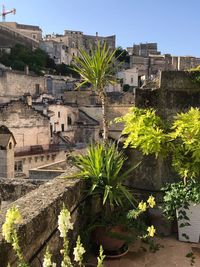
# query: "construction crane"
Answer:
x=5 y=13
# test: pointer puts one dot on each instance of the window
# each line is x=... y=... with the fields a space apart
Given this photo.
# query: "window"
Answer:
x=131 y=79
x=37 y=89
x=18 y=166
x=58 y=114
x=69 y=120
x=51 y=129
x=62 y=127
x=10 y=145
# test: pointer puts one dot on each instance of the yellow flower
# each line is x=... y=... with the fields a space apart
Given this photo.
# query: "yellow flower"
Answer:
x=79 y=251
x=142 y=206
x=151 y=231
x=13 y=217
x=151 y=201
x=64 y=222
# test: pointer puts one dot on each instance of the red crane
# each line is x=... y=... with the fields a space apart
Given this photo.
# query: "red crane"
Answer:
x=4 y=13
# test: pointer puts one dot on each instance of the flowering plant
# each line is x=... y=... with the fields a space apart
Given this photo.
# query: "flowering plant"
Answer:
x=135 y=213
x=13 y=217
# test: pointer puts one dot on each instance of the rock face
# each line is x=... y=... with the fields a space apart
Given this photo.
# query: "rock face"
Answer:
x=40 y=209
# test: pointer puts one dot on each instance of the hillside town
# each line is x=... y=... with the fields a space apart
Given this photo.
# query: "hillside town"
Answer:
x=47 y=115
x=50 y=114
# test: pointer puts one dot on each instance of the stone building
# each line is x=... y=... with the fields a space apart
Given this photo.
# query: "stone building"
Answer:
x=68 y=124
x=129 y=76
x=57 y=85
x=31 y=130
x=13 y=84
x=12 y=33
x=56 y=51
x=29 y=127
x=7 y=144
x=150 y=62
x=62 y=48
x=30 y=31
x=63 y=120
x=144 y=49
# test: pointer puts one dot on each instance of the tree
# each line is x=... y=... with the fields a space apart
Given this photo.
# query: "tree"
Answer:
x=97 y=68
x=122 y=55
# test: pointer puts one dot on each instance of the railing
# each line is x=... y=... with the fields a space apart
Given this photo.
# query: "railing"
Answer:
x=39 y=149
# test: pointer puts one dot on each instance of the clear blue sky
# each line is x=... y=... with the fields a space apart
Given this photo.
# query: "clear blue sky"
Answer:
x=173 y=24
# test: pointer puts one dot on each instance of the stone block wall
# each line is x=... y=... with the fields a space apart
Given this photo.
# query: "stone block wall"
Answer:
x=28 y=126
x=177 y=92
x=14 y=84
x=12 y=189
x=33 y=161
x=40 y=209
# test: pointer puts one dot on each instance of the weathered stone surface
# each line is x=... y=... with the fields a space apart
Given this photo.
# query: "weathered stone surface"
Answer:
x=12 y=189
x=177 y=92
x=40 y=209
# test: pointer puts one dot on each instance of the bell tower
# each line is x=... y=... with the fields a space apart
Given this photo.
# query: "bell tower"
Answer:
x=7 y=144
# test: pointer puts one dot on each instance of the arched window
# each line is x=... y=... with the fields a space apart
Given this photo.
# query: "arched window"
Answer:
x=69 y=120
x=10 y=145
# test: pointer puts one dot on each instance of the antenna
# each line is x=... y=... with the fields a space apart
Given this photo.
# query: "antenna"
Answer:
x=5 y=13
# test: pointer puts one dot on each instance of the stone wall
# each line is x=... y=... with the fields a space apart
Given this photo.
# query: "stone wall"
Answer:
x=14 y=84
x=12 y=189
x=89 y=98
x=81 y=97
x=40 y=209
x=178 y=91
x=10 y=37
x=28 y=126
x=29 y=161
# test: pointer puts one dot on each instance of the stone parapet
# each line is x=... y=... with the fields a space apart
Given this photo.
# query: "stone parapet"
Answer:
x=40 y=209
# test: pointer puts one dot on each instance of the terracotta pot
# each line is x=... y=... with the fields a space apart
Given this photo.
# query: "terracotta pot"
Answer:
x=103 y=236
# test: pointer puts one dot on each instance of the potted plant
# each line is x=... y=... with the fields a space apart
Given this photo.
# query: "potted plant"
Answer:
x=146 y=132
x=184 y=196
x=102 y=169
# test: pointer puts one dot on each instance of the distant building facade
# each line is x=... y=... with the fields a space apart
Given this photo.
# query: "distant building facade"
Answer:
x=12 y=33
x=31 y=31
x=149 y=61
x=14 y=84
x=62 y=48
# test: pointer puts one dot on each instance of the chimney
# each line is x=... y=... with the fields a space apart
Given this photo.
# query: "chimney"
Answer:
x=26 y=70
x=28 y=99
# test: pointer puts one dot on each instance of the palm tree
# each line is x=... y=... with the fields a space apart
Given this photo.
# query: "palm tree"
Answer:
x=97 y=69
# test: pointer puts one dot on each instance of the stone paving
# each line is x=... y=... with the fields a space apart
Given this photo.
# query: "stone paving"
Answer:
x=171 y=254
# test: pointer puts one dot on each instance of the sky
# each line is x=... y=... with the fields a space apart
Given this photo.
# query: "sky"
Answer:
x=173 y=24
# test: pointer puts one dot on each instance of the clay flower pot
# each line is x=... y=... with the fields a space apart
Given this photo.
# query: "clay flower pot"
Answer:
x=105 y=236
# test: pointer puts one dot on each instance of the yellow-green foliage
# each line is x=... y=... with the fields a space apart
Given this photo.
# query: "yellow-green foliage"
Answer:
x=186 y=134
x=144 y=130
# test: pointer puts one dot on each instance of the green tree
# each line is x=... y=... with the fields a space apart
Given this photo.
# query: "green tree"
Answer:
x=97 y=68
x=20 y=56
x=122 y=55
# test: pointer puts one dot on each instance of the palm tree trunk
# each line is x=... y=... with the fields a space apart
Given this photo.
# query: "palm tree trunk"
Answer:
x=104 y=115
